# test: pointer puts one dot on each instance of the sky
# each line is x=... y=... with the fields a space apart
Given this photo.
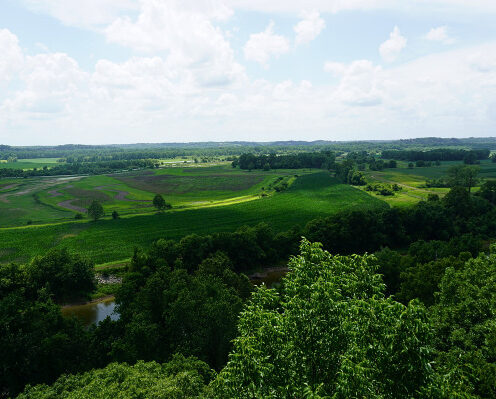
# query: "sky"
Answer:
x=142 y=71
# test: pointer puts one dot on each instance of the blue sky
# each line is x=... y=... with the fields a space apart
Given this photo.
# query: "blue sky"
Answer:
x=120 y=71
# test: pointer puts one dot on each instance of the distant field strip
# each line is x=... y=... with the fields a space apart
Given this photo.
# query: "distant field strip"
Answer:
x=311 y=196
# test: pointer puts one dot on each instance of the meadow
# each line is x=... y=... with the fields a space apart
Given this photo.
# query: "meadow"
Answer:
x=26 y=164
x=310 y=196
x=412 y=180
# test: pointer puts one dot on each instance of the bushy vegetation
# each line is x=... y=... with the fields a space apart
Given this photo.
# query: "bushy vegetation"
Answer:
x=319 y=160
x=181 y=378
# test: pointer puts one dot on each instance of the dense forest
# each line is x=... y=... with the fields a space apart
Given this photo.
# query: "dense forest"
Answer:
x=85 y=168
x=444 y=154
x=94 y=153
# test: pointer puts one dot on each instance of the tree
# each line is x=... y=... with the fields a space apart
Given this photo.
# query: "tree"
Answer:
x=330 y=332
x=181 y=378
x=63 y=275
x=95 y=210
x=463 y=176
x=465 y=320
x=488 y=191
x=115 y=215
x=159 y=202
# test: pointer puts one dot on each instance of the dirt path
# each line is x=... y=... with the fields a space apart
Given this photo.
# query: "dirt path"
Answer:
x=121 y=195
x=68 y=205
x=9 y=186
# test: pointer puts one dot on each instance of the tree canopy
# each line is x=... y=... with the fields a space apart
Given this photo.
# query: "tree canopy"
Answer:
x=329 y=332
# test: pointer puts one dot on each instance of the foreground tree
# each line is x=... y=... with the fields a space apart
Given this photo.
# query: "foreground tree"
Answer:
x=181 y=378
x=465 y=320
x=95 y=210
x=330 y=332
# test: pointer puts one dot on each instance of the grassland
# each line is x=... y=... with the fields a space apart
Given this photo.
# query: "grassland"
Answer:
x=311 y=195
x=27 y=164
x=412 y=180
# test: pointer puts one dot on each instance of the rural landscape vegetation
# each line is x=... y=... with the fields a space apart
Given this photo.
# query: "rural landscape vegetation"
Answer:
x=245 y=199
x=181 y=271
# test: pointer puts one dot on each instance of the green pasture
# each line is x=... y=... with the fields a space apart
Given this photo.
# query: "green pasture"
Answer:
x=311 y=196
x=26 y=164
x=412 y=180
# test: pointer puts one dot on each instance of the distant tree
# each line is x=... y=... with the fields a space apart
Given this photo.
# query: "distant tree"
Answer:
x=470 y=158
x=78 y=216
x=488 y=191
x=115 y=215
x=160 y=204
x=266 y=167
x=432 y=197
x=95 y=210
x=410 y=165
x=463 y=176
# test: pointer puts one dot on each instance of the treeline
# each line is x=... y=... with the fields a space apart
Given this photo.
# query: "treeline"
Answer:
x=441 y=154
x=89 y=168
x=318 y=160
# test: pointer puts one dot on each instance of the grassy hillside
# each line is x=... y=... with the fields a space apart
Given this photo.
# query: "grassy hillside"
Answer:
x=310 y=196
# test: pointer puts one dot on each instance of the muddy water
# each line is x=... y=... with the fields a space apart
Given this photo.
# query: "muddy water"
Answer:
x=92 y=313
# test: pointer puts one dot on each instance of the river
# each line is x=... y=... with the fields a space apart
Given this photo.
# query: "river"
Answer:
x=95 y=312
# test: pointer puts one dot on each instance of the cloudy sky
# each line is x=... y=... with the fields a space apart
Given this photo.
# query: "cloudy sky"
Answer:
x=125 y=71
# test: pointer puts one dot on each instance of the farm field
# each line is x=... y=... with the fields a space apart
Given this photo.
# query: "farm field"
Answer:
x=310 y=196
x=53 y=199
x=30 y=163
x=412 y=180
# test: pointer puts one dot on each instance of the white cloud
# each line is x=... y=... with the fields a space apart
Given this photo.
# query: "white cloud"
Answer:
x=439 y=34
x=97 y=13
x=392 y=47
x=11 y=57
x=309 y=27
x=86 y=13
x=260 y=47
x=185 y=31
x=155 y=98
x=335 y=6
x=359 y=82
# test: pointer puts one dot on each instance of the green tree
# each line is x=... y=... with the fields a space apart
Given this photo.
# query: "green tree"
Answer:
x=181 y=378
x=63 y=275
x=95 y=210
x=465 y=320
x=330 y=332
x=463 y=176
x=115 y=215
x=160 y=204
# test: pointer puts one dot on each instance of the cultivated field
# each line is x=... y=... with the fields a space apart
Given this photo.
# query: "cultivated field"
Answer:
x=310 y=196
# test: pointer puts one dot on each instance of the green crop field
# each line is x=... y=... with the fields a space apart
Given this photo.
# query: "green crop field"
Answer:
x=29 y=163
x=132 y=192
x=311 y=195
